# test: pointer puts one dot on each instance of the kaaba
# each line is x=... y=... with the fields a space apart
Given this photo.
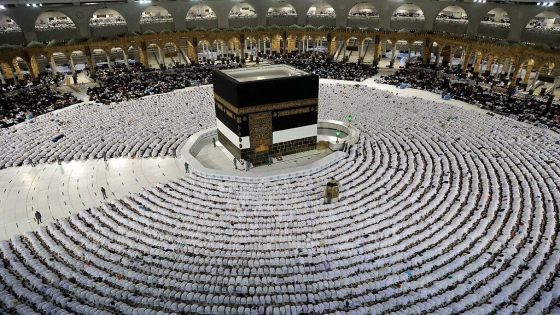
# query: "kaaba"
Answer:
x=266 y=111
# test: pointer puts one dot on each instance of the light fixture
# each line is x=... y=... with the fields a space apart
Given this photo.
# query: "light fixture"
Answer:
x=27 y=5
x=34 y=5
x=2 y=7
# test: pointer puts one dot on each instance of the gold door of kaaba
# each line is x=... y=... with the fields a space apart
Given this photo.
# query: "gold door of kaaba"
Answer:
x=260 y=131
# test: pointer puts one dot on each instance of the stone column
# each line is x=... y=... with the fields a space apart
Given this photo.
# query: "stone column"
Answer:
x=393 y=52
x=142 y=53
x=125 y=58
x=477 y=62
x=72 y=65
x=33 y=67
x=242 y=47
x=438 y=55
x=446 y=56
x=427 y=55
x=53 y=66
x=516 y=69
x=466 y=58
x=535 y=79
x=109 y=61
x=489 y=64
x=376 y=48
x=528 y=74
x=17 y=71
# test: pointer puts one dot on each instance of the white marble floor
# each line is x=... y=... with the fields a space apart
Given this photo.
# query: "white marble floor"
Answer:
x=57 y=191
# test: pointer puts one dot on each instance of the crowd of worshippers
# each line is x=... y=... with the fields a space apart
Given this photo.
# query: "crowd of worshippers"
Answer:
x=323 y=66
x=25 y=99
x=488 y=92
x=121 y=83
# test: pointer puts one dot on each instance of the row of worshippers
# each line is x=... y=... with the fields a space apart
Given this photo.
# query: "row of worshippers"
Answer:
x=123 y=83
x=21 y=100
x=488 y=92
x=322 y=65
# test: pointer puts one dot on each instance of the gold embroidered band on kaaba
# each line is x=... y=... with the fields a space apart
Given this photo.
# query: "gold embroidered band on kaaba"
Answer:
x=264 y=107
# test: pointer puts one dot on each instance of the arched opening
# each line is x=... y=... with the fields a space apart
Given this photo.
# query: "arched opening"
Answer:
x=10 y=32
x=106 y=17
x=266 y=45
x=497 y=17
x=234 y=47
x=133 y=54
x=242 y=10
x=42 y=63
x=545 y=21
x=457 y=56
x=78 y=63
x=454 y=14
x=201 y=15
x=281 y=14
x=80 y=60
x=363 y=15
x=321 y=14
x=200 y=12
x=544 y=80
x=363 y=10
x=242 y=14
x=543 y=28
x=53 y=20
x=408 y=16
x=221 y=48
x=496 y=24
x=117 y=56
x=321 y=44
x=415 y=52
x=157 y=19
x=107 y=22
x=306 y=44
x=154 y=56
x=100 y=58
x=321 y=9
x=60 y=64
x=349 y=51
x=281 y=9
x=7 y=25
x=251 y=48
x=452 y=19
x=171 y=56
x=206 y=52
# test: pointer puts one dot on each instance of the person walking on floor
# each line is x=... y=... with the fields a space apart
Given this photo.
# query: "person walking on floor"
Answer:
x=38 y=217
x=103 y=192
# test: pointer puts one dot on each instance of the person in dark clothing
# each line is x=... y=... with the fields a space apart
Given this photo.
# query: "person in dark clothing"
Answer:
x=38 y=217
x=103 y=192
